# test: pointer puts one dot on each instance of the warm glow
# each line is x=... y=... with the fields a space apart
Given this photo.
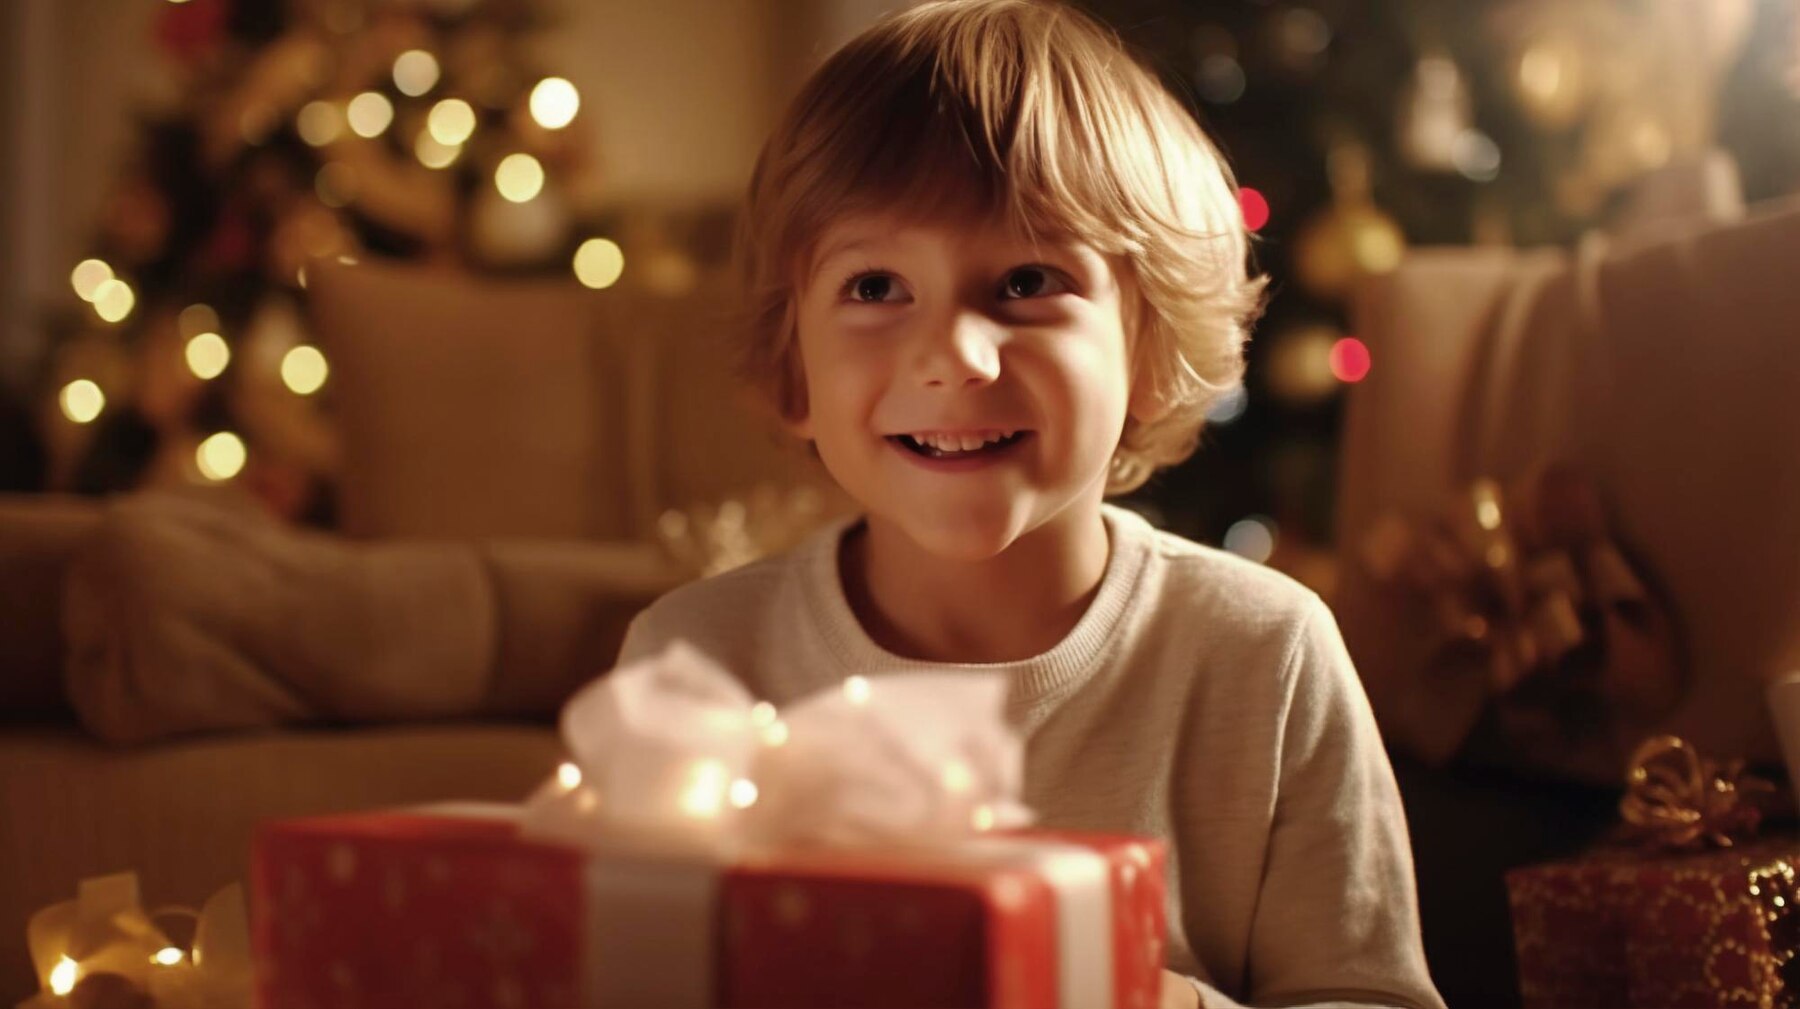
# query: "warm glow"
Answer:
x=1541 y=72
x=81 y=400
x=113 y=300
x=432 y=154
x=168 y=956
x=196 y=319
x=87 y=277
x=599 y=262
x=221 y=456
x=62 y=976
x=743 y=793
x=775 y=733
x=451 y=122
x=415 y=72
x=762 y=714
x=983 y=817
x=304 y=370
x=554 y=103
x=370 y=113
x=1255 y=207
x=519 y=177
x=568 y=775
x=1349 y=360
x=856 y=689
x=957 y=777
x=319 y=123
x=207 y=355
x=704 y=796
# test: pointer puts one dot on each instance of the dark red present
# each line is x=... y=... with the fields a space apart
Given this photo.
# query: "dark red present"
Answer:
x=410 y=909
x=1627 y=927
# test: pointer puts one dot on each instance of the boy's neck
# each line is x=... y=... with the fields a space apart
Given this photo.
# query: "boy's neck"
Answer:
x=1015 y=606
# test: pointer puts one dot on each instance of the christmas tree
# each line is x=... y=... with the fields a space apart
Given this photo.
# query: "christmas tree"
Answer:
x=298 y=131
x=1359 y=127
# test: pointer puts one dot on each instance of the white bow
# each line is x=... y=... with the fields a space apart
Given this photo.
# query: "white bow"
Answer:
x=673 y=754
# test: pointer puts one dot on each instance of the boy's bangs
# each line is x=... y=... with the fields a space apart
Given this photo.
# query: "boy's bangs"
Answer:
x=950 y=144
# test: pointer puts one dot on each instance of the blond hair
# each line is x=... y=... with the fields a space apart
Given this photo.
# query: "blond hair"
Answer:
x=1033 y=113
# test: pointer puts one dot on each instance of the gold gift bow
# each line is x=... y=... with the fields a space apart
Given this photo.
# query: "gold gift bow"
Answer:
x=1675 y=798
x=1507 y=574
x=106 y=930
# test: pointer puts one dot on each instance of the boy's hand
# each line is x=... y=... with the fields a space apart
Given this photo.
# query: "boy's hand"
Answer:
x=1178 y=992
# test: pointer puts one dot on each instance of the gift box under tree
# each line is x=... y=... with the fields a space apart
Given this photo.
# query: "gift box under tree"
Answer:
x=706 y=850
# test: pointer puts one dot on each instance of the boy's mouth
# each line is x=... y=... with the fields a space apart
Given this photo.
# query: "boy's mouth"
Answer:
x=957 y=446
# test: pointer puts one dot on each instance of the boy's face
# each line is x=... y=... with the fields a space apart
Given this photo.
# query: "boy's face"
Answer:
x=962 y=384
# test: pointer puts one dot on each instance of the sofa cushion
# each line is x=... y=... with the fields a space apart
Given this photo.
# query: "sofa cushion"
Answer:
x=38 y=538
x=470 y=406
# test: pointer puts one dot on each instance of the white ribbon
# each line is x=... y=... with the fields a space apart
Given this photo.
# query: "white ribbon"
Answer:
x=675 y=757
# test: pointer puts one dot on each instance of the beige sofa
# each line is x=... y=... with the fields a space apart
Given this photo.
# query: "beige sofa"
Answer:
x=178 y=667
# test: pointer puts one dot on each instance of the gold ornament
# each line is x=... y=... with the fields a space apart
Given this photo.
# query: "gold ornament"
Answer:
x=1677 y=799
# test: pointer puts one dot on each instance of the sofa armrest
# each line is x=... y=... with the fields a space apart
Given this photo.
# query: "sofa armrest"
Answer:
x=39 y=535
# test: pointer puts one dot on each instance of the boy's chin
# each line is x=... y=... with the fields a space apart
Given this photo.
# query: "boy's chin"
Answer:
x=964 y=539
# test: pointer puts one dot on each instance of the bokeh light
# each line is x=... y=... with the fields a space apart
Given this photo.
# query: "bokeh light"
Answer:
x=221 y=456
x=303 y=370
x=415 y=72
x=432 y=154
x=87 y=277
x=599 y=262
x=208 y=355
x=114 y=299
x=370 y=113
x=1255 y=207
x=554 y=103
x=519 y=177
x=1252 y=538
x=196 y=319
x=451 y=122
x=1350 y=360
x=319 y=123
x=81 y=400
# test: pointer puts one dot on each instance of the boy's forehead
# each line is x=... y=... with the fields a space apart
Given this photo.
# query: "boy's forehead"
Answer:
x=861 y=232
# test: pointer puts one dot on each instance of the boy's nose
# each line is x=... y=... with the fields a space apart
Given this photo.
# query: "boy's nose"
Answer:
x=965 y=350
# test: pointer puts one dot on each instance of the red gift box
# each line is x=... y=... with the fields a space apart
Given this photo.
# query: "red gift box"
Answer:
x=414 y=909
x=1624 y=928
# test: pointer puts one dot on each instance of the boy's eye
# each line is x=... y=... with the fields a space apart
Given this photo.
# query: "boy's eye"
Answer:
x=1032 y=282
x=871 y=288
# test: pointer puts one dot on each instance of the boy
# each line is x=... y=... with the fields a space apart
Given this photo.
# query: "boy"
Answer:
x=994 y=274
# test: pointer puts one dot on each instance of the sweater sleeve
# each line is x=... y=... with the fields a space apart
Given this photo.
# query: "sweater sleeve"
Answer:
x=1336 y=920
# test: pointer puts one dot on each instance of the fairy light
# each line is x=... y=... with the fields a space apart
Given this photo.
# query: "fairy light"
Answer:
x=87 y=277
x=319 y=123
x=208 y=355
x=775 y=734
x=432 y=154
x=168 y=956
x=114 y=299
x=415 y=72
x=554 y=103
x=856 y=690
x=704 y=796
x=957 y=777
x=763 y=714
x=1255 y=207
x=335 y=184
x=1350 y=360
x=568 y=775
x=62 y=976
x=519 y=177
x=370 y=114
x=81 y=400
x=982 y=818
x=599 y=262
x=221 y=456
x=451 y=122
x=742 y=793
x=304 y=370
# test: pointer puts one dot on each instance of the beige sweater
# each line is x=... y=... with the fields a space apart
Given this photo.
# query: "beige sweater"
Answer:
x=1202 y=699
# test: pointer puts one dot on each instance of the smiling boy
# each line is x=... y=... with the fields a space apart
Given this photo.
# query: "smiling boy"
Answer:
x=995 y=273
